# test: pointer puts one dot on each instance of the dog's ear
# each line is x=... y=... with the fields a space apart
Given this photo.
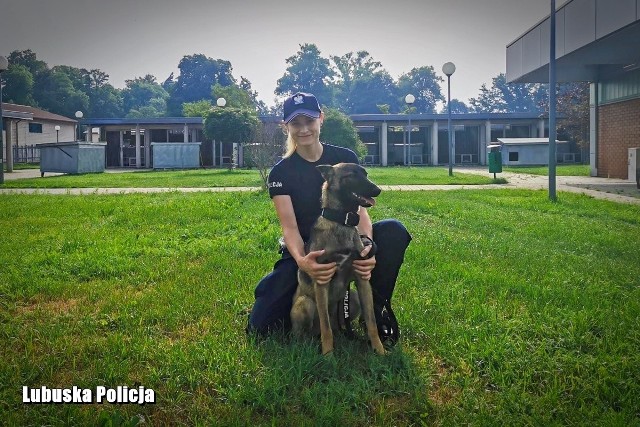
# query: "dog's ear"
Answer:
x=326 y=171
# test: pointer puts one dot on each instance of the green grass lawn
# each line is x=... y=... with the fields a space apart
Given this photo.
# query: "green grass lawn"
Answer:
x=514 y=311
x=561 y=170
x=234 y=178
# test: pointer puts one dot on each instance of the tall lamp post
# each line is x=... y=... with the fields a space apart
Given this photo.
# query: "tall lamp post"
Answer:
x=79 y=116
x=220 y=102
x=57 y=128
x=4 y=64
x=409 y=99
x=552 y=103
x=449 y=68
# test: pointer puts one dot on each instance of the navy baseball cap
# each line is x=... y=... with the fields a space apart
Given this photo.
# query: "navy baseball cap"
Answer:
x=301 y=103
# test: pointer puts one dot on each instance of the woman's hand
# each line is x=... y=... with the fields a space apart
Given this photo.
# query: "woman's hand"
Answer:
x=320 y=273
x=364 y=267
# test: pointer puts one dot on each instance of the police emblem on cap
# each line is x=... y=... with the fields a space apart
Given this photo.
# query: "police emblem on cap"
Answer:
x=298 y=99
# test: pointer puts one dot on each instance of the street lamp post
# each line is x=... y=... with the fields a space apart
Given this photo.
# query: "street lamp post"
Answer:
x=4 y=64
x=409 y=99
x=57 y=128
x=220 y=102
x=79 y=116
x=449 y=68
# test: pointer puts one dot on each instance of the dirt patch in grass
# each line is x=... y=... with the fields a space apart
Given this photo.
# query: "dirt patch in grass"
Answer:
x=56 y=307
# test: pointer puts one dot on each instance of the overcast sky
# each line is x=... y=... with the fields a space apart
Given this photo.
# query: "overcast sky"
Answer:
x=131 y=38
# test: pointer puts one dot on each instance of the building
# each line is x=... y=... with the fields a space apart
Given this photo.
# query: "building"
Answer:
x=385 y=135
x=26 y=126
x=532 y=151
x=597 y=41
x=388 y=142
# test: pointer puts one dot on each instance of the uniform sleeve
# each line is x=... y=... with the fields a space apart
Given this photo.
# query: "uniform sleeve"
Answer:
x=350 y=157
x=277 y=182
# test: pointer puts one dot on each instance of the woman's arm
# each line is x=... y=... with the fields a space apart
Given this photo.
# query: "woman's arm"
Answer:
x=321 y=273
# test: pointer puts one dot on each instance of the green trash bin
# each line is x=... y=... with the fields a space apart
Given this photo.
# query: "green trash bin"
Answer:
x=495 y=161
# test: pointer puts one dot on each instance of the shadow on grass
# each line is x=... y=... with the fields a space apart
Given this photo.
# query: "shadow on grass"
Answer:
x=352 y=386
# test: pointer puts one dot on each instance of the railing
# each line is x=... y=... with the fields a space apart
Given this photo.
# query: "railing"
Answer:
x=26 y=154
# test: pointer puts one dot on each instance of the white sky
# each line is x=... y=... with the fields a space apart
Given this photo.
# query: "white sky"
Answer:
x=131 y=38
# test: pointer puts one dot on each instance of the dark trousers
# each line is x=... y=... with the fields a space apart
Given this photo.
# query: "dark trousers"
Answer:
x=274 y=293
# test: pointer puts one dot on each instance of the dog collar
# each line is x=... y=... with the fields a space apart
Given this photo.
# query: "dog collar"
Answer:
x=341 y=217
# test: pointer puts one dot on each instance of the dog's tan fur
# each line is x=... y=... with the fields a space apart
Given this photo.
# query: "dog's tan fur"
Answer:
x=316 y=306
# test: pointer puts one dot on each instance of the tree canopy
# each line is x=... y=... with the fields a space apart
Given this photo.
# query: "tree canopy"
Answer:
x=353 y=83
x=338 y=129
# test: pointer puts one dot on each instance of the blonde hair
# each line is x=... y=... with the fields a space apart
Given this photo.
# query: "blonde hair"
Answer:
x=290 y=146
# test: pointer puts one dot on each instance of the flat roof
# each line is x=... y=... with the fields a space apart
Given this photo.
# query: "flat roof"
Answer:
x=526 y=141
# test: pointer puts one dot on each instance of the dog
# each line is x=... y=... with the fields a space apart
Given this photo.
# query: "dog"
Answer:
x=315 y=306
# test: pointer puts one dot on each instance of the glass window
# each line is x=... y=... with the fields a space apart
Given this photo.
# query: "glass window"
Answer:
x=35 y=127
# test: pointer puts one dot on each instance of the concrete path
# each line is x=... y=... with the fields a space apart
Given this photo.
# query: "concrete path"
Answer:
x=617 y=190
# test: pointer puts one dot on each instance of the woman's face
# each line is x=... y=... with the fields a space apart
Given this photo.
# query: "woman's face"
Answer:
x=304 y=130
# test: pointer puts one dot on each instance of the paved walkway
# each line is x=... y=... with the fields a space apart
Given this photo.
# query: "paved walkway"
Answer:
x=617 y=190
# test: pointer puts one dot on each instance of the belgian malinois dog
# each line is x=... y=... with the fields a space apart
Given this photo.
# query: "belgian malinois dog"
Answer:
x=315 y=306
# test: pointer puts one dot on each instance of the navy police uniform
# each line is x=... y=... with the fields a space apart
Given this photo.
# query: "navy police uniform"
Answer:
x=299 y=179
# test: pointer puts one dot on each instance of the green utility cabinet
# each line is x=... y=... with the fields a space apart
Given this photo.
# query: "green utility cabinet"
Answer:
x=495 y=162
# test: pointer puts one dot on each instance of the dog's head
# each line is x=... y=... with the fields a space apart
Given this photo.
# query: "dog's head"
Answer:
x=348 y=184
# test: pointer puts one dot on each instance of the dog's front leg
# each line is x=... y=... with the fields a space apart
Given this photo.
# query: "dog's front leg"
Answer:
x=322 y=303
x=366 y=301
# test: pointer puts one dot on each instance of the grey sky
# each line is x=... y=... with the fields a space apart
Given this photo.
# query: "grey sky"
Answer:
x=131 y=38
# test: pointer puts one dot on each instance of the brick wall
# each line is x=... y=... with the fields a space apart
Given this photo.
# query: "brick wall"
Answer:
x=618 y=130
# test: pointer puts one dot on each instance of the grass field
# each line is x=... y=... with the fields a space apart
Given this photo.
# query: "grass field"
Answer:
x=236 y=178
x=514 y=311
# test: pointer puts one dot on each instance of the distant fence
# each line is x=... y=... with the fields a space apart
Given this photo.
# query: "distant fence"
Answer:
x=26 y=154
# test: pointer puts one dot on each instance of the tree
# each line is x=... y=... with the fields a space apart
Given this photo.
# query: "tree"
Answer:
x=259 y=105
x=105 y=101
x=308 y=72
x=338 y=129
x=351 y=68
x=196 y=109
x=156 y=107
x=198 y=74
x=230 y=124
x=28 y=59
x=367 y=93
x=573 y=106
x=234 y=95
x=424 y=84
x=54 y=91
x=509 y=98
x=266 y=149
x=140 y=92
x=457 y=106
x=19 y=85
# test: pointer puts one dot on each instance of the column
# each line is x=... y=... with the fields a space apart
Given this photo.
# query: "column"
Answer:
x=147 y=147
x=8 y=158
x=487 y=140
x=541 y=128
x=185 y=133
x=383 y=144
x=138 y=159
x=434 y=143
x=121 y=149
